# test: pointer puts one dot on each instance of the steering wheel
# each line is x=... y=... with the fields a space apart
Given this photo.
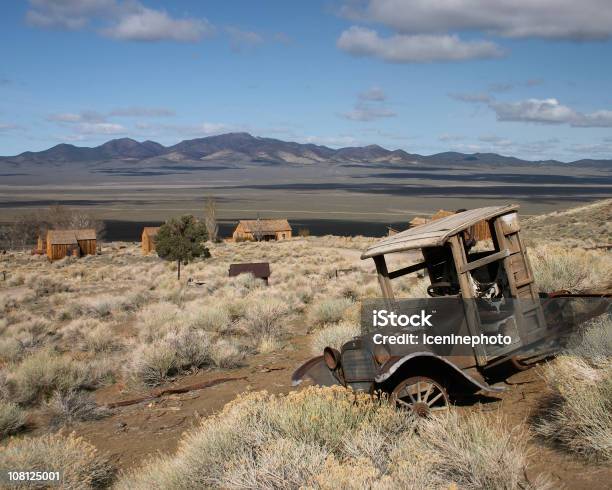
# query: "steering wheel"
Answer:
x=437 y=289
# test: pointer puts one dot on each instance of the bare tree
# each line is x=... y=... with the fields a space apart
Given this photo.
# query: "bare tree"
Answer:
x=258 y=230
x=61 y=217
x=22 y=232
x=210 y=219
x=26 y=228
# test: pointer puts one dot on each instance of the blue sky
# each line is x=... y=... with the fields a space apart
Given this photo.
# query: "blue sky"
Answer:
x=529 y=78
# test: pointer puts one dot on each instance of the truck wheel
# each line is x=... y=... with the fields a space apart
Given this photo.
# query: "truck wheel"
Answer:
x=420 y=395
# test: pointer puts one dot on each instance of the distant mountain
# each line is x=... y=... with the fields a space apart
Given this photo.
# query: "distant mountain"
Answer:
x=245 y=148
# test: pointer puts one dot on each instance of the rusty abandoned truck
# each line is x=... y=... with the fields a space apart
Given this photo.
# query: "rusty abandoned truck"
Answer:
x=425 y=379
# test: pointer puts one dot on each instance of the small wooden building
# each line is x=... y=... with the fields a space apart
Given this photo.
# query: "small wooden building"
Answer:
x=148 y=239
x=67 y=243
x=262 y=229
x=261 y=270
x=87 y=241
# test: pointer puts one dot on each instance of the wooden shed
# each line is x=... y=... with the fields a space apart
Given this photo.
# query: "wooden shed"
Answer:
x=87 y=241
x=148 y=239
x=261 y=270
x=66 y=243
x=262 y=229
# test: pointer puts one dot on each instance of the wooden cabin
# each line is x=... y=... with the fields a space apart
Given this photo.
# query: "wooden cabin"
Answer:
x=70 y=243
x=260 y=270
x=87 y=241
x=262 y=230
x=148 y=239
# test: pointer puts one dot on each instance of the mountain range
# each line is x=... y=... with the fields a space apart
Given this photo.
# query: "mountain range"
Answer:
x=237 y=148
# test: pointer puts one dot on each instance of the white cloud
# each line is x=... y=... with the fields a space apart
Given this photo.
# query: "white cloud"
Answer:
x=240 y=39
x=363 y=112
x=549 y=19
x=597 y=119
x=478 y=97
x=124 y=20
x=369 y=106
x=451 y=137
x=495 y=140
x=549 y=111
x=208 y=128
x=191 y=130
x=374 y=93
x=507 y=86
x=67 y=14
x=145 y=24
x=71 y=117
x=604 y=148
x=142 y=112
x=100 y=128
x=541 y=111
x=418 y=48
x=8 y=127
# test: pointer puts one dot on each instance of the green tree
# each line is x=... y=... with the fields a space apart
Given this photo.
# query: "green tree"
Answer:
x=181 y=239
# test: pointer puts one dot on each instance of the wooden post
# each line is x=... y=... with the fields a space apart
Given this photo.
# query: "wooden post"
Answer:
x=467 y=293
x=383 y=277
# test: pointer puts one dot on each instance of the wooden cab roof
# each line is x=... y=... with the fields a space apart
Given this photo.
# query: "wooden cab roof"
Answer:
x=435 y=233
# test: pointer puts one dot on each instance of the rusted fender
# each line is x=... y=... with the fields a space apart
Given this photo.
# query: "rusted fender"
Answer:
x=316 y=371
x=394 y=364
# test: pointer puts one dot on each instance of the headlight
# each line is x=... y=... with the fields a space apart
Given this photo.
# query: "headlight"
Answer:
x=381 y=354
x=331 y=357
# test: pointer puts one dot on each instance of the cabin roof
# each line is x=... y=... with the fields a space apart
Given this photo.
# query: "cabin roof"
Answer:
x=260 y=270
x=85 y=234
x=61 y=237
x=264 y=225
x=70 y=237
x=435 y=233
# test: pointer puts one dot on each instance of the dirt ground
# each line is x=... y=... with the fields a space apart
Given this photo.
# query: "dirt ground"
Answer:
x=132 y=434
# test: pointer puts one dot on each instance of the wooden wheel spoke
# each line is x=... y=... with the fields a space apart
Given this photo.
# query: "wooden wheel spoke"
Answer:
x=419 y=394
x=426 y=397
x=402 y=402
x=433 y=400
x=409 y=394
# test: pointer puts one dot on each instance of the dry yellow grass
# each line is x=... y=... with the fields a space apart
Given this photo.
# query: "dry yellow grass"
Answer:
x=73 y=325
x=576 y=414
x=324 y=437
